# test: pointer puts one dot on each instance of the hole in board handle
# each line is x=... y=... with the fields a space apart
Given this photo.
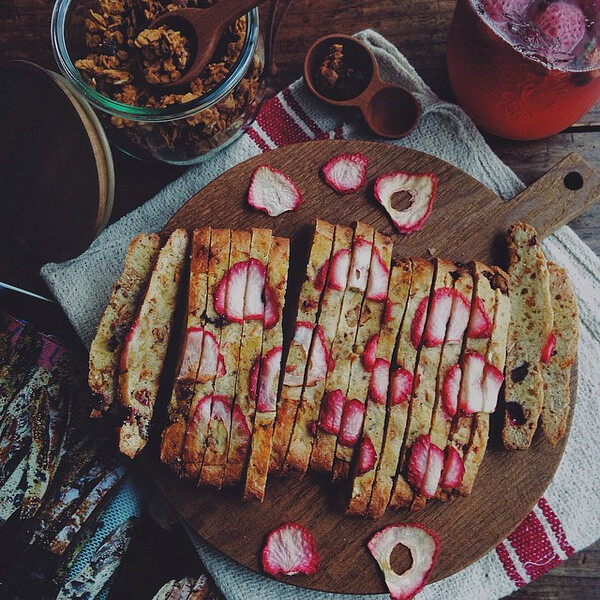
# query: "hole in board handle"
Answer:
x=573 y=181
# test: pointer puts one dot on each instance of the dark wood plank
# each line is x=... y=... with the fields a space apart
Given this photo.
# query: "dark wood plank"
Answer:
x=461 y=204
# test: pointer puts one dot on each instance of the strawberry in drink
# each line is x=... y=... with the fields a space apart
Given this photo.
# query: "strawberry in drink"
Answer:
x=525 y=69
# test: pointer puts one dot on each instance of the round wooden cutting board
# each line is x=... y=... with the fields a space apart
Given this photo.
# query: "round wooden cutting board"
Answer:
x=465 y=223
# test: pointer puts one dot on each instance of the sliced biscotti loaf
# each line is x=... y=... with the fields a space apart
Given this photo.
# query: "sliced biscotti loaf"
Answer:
x=451 y=351
x=190 y=356
x=212 y=365
x=530 y=325
x=495 y=359
x=406 y=362
x=256 y=311
x=265 y=373
x=231 y=292
x=428 y=333
x=145 y=346
x=373 y=434
x=118 y=317
x=559 y=354
x=298 y=455
x=336 y=384
x=371 y=317
x=298 y=354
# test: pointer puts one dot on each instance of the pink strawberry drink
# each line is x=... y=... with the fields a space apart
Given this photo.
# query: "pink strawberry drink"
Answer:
x=525 y=69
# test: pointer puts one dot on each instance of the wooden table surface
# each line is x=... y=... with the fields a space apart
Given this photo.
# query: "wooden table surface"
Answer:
x=419 y=29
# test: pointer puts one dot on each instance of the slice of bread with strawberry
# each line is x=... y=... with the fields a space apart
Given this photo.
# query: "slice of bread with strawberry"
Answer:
x=229 y=303
x=369 y=326
x=145 y=346
x=428 y=334
x=190 y=355
x=297 y=360
x=298 y=455
x=118 y=317
x=258 y=309
x=492 y=379
x=265 y=374
x=336 y=384
x=531 y=324
x=559 y=354
x=402 y=378
x=212 y=362
x=378 y=355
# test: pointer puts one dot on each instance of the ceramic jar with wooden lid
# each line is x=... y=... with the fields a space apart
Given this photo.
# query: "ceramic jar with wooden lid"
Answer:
x=102 y=48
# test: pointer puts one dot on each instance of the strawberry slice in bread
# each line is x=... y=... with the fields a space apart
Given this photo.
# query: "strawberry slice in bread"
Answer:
x=145 y=347
x=117 y=319
x=212 y=363
x=298 y=455
x=377 y=402
x=493 y=377
x=299 y=351
x=190 y=354
x=371 y=317
x=561 y=350
x=323 y=449
x=230 y=294
x=402 y=377
x=428 y=331
x=254 y=311
x=531 y=324
x=265 y=374
x=463 y=389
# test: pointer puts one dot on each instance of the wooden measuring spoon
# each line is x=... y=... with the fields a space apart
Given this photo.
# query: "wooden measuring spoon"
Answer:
x=204 y=29
x=389 y=110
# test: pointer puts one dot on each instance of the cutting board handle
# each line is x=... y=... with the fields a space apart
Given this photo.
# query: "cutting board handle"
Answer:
x=569 y=188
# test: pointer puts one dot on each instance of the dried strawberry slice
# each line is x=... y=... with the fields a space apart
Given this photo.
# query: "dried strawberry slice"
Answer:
x=549 y=348
x=212 y=364
x=454 y=469
x=302 y=337
x=439 y=315
x=459 y=318
x=417 y=327
x=379 y=275
x=380 y=377
x=420 y=186
x=273 y=192
x=402 y=384
x=368 y=355
x=352 y=420
x=450 y=390
x=481 y=324
x=321 y=277
x=332 y=409
x=424 y=547
x=346 y=173
x=289 y=550
x=433 y=473
x=367 y=456
x=192 y=353
x=320 y=359
x=269 y=379
x=254 y=304
x=417 y=463
x=470 y=399
x=338 y=273
x=272 y=307
x=360 y=262
x=493 y=378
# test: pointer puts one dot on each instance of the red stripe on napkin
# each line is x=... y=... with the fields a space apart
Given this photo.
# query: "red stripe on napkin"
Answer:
x=302 y=114
x=556 y=526
x=260 y=143
x=509 y=565
x=279 y=125
x=533 y=547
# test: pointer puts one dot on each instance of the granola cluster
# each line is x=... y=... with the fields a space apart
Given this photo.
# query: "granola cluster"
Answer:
x=127 y=62
x=336 y=78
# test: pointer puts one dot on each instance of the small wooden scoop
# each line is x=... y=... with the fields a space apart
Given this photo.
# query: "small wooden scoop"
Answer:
x=204 y=28
x=389 y=110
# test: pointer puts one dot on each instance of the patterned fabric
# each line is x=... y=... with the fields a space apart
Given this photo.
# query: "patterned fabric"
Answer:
x=567 y=518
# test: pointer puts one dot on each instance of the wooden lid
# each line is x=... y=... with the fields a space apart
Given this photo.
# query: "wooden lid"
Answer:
x=56 y=170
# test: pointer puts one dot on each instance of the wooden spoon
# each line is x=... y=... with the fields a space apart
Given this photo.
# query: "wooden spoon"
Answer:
x=204 y=29
x=389 y=110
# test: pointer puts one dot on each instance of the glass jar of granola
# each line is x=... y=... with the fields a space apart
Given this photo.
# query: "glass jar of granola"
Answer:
x=117 y=64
